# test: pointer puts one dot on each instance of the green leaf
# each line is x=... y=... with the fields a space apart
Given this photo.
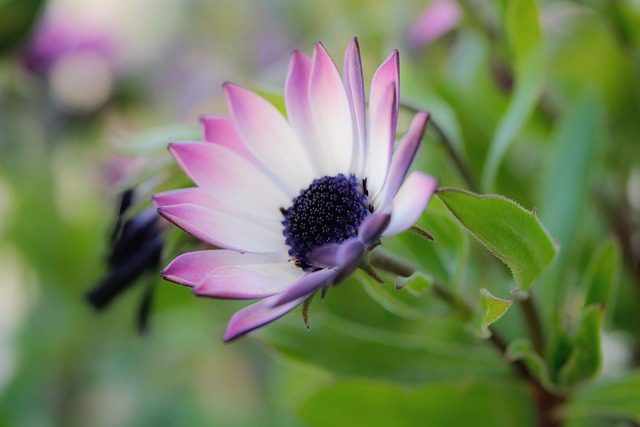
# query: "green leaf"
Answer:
x=370 y=404
x=509 y=231
x=585 y=359
x=352 y=336
x=156 y=140
x=616 y=397
x=521 y=349
x=418 y=283
x=566 y=190
x=388 y=297
x=523 y=33
x=522 y=24
x=493 y=308
x=603 y=273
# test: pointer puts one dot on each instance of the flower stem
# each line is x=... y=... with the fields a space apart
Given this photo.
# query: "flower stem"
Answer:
x=458 y=161
x=546 y=401
x=534 y=326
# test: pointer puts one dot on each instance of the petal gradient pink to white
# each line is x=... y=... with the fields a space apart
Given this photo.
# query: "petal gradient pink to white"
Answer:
x=253 y=163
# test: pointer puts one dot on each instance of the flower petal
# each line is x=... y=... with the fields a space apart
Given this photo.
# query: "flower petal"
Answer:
x=373 y=226
x=221 y=130
x=325 y=256
x=296 y=96
x=192 y=268
x=257 y=315
x=342 y=254
x=410 y=201
x=402 y=159
x=331 y=113
x=387 y=74
x=354 y=85
x=267 y=134
x=248 y=281
x=305 y=286
x=230 y=177
x=383 y=116
x=382 y=135
x=223 y=229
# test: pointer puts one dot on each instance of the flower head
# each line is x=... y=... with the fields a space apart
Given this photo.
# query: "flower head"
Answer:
x=295 y=203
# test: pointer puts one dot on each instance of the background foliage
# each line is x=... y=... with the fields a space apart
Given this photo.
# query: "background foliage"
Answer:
x=539 y=99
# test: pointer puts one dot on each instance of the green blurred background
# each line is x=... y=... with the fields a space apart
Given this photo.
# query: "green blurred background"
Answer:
x=67 y=115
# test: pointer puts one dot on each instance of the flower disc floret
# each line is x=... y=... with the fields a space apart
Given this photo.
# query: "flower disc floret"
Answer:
x=329 y=211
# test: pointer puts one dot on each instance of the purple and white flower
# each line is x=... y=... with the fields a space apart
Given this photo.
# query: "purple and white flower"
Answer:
x=295 y=202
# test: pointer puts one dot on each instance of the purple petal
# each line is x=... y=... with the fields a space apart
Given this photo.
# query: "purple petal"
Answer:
x=325 y=256
x=354 y=85
x=410 y=201
x=221 y=130
x=349 y=254
x=223 y=229
x=373 y=226
x=248 y=281
x=402 y=159
x=331 y=112
x=267 y=134
x=305 y=286
x=342 y=254
x=257 y=315
x=192 y=268
x=230 y=178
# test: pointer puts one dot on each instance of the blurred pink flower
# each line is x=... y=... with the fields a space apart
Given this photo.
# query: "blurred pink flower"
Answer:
x=440 y=17
x=295 y=202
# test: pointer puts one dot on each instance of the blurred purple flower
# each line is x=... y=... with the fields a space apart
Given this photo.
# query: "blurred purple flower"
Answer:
x=295 y=203
x=53 y=40
x=136 y=247
x=77 y=62
x=440 y=17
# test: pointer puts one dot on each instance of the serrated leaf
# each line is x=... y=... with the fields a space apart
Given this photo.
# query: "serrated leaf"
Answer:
x=493 y=308
x=509 y=231
x=585 y=359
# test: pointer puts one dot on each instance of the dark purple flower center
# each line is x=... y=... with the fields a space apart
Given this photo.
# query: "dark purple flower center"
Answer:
x=329 y=211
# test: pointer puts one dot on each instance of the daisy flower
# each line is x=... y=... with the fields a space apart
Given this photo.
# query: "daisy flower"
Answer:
x=295 y=203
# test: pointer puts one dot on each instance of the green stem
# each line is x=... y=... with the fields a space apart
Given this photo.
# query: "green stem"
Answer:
x=456 y=158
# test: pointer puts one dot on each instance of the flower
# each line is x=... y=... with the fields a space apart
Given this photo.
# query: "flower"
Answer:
x=440 y=17
x=295 y=203
x=136 y=248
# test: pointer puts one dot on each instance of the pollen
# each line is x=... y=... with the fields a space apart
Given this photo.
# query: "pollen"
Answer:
x=329 y=211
